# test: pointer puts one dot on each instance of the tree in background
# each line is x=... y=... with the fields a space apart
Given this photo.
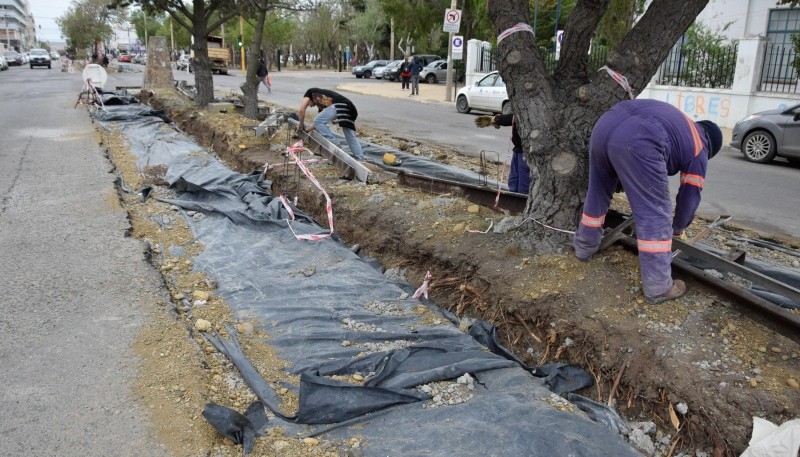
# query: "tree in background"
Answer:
x=199 y=18
x=555 y=112
x=148 y=25
x=88 y=21
x=369 y=26
x=263 y=10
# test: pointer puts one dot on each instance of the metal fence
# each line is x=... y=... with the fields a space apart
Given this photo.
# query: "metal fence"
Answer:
x=700 y=68
x=777 y=72
x=487 y=59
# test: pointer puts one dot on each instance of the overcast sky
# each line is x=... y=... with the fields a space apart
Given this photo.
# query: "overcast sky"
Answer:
x=45 y=13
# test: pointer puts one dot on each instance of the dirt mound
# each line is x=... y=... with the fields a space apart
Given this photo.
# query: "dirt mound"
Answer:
x=696 y=367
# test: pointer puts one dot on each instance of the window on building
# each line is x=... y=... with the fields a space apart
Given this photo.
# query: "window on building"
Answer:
x=782 y=24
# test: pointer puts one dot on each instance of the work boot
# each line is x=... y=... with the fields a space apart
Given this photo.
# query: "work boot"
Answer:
x=677 y=291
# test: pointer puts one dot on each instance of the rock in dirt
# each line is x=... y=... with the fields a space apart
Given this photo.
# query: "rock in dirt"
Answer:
x=200 y=295
x=377 y=198
x=791 y=382
x=459 y=227
x=507 y=224
x=202 y=325
x=641 y=441
x=473 y=209
x=311 y=441
x=796 y=263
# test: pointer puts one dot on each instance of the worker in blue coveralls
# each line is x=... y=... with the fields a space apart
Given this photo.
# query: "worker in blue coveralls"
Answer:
x=640 y=143
x=519 y=178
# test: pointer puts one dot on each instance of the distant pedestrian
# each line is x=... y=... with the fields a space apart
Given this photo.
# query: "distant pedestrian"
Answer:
x=105 y=60
x=333 y=107
x=263 y=74
x=405 y=74
x=414 y=67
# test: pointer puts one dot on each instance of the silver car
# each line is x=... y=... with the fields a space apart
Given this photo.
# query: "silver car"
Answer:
x=3 y=63
x=435 y=71
x=774 y=133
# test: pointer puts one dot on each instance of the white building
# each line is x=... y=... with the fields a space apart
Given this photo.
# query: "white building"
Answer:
x=746 y=18
x=17 y=27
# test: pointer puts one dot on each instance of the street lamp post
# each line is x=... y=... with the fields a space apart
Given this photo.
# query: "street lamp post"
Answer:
x=5 y=16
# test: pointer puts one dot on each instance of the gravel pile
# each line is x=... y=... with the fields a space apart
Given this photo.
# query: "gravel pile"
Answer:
x=350 y=324
x=446 y=393
x=385 y=309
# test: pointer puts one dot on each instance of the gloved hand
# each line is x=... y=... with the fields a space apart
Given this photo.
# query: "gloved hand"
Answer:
x=682 y=235
x=484 y=121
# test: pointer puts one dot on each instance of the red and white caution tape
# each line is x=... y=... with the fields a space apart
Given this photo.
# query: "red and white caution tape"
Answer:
x=621 y=80
x=293 y=150
x=423 y=289
x=518 y=27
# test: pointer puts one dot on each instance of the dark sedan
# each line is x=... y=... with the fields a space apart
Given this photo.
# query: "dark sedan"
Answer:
x=774 y=133
x=14 y=58
x=365 y=71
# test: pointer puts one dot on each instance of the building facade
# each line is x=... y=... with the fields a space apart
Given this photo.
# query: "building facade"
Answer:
x=17 y=25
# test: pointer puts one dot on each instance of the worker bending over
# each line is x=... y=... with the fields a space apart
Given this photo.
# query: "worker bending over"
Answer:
x=333 y=107
x=640 y=143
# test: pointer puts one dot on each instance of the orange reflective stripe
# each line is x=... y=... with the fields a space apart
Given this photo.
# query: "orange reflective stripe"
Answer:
x=595 y=222
x=654 y=245
x=698 y=143
x=692 y=180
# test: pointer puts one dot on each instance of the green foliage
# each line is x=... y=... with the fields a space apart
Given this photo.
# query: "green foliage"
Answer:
x=88 y=21
x=795 y=37
x=147 y=25
x=706 y=59
x=544 y=12
x=617 y=21
x=369 y=26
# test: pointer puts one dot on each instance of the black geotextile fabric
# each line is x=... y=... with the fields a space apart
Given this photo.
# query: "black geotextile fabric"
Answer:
x=328 y=312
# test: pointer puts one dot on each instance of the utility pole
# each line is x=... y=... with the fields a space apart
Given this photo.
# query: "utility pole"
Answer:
x=241 y=51
x=448 y=90
x=391 y=39
x=171 y=39
x=5 y=16
x=145 y=31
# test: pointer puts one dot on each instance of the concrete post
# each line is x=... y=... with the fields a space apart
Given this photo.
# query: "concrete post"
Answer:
x=749 y=61
x=158 y=73
x=473 y=54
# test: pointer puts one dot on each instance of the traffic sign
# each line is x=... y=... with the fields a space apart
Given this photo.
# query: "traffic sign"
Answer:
x=458 y=47
x=452 y=20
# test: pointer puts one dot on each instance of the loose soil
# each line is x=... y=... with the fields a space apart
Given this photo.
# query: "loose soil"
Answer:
x=700 y=351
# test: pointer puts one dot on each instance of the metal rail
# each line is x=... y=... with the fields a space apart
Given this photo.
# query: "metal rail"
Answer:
x=763 y=311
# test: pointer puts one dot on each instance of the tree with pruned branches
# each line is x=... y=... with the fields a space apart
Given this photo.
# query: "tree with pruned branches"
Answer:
x=555 y=112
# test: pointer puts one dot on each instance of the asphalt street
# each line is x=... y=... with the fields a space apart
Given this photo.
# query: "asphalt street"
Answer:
x=73 y=285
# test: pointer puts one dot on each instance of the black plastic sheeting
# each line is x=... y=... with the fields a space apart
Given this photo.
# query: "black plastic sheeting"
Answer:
x=239 y=428
x=307 y=297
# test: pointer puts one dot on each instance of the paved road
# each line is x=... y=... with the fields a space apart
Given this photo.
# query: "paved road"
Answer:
x=73 y=286
x=763 y=197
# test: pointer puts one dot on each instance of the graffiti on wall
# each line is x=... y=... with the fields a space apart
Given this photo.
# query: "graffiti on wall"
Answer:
x=695 y=105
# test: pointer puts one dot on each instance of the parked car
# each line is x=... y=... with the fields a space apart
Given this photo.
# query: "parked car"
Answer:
x=768 y=134
x=365 y=71
x=40 y=58
x=124 y=58
x=425 y=59
x=488 y=94
x=3 y=63
x=140 y=59
x=434 y=72
x=55 y=56
x=381 y=71
x=14 y=58
x=392 y=71
x=25 y=58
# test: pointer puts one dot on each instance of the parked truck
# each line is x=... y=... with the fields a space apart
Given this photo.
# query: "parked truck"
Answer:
x=218 y=54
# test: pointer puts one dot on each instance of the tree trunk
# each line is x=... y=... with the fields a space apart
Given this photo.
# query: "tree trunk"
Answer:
x=203 y=75
x=252 y=83
x=555 y=114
